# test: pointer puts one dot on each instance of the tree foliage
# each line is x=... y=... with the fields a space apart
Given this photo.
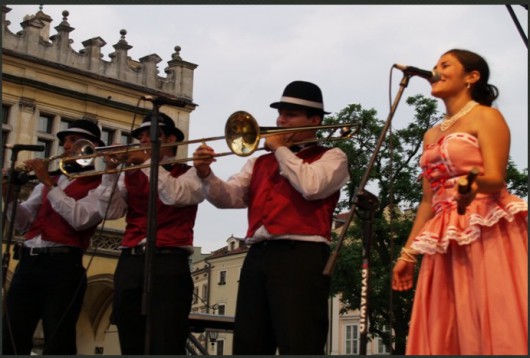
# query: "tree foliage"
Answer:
x=517 y=182
x=394 y=179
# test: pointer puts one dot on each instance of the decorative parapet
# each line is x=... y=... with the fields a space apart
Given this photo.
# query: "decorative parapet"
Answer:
x=34 y=41
x=106 y=243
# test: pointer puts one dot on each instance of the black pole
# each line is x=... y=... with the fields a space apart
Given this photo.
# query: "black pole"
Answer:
x=368 y=203
x=518 y=25
x=15 y=180
x=151 y=226
x=10 y=180
x=10 y=231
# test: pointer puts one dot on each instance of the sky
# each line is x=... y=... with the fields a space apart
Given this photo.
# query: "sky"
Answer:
x=247 y=54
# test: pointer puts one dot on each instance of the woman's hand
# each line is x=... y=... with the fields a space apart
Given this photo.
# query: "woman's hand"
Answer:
x=403 y=275
x=463 y=199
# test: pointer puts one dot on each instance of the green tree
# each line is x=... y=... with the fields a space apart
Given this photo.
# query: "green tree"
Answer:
x=517 y=182
x=395 y=181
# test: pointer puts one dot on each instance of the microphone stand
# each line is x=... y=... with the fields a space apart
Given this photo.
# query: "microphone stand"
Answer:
x=151 y=226
x=366 y=200
x=15 y=179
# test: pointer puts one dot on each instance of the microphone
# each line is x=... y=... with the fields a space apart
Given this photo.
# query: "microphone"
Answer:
x=464 y=186
x=28 y=147
x=431 y=76
x=165 y=100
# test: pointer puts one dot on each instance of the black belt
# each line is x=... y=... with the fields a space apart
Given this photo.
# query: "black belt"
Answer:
x=140 y=250
x=288 y=243
x=53 y=250
x=279 y=242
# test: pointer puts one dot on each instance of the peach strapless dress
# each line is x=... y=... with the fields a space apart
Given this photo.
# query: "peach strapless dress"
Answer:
x=472 y=292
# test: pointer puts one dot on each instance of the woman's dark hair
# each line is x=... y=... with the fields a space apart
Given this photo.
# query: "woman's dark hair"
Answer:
x=481 y=91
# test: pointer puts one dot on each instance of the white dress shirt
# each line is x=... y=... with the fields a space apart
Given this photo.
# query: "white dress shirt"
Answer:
x=80 y=214
x=182 y=191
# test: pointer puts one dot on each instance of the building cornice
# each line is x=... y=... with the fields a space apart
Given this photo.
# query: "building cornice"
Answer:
x=33 y=43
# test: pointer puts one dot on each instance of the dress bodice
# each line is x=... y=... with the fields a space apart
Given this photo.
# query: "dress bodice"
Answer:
x=443 y=163
x=453 y=155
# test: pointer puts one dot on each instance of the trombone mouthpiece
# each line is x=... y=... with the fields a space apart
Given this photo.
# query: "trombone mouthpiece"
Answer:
x=348 y=132
x=345 y=132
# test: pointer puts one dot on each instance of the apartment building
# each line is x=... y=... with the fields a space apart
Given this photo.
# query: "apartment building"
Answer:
x=216 y=278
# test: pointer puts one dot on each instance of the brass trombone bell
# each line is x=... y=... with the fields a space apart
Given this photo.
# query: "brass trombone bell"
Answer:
x=242 y=135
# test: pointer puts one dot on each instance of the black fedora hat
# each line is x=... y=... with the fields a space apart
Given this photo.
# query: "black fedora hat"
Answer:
x=165 y=124
x=85 y=127
x=301 y=95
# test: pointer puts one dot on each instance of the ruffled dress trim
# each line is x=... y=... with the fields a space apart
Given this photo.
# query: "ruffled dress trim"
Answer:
x=484 y=211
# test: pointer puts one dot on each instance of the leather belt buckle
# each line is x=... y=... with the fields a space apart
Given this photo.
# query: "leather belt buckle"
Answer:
x=138 y=250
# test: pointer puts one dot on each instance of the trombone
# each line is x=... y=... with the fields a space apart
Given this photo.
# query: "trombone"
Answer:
x=242 y=135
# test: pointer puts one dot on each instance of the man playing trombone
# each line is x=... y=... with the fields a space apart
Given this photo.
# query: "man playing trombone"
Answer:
x=290 y=194
x=178 y=194
x=59 y=218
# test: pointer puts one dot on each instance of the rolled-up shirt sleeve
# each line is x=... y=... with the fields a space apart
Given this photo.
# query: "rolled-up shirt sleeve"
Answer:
x=80 y=214
x=27 y=210
x=180 y=191
x=112 y=196
x=316 y=180
x=232 y=193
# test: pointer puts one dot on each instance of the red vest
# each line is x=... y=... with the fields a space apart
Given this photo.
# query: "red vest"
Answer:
x=52 y=227
x=273 y=202
x=174 y=224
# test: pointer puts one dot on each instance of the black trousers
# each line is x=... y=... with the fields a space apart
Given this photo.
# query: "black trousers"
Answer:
x=171 y=297
x=282 y=301
x=47 y=287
